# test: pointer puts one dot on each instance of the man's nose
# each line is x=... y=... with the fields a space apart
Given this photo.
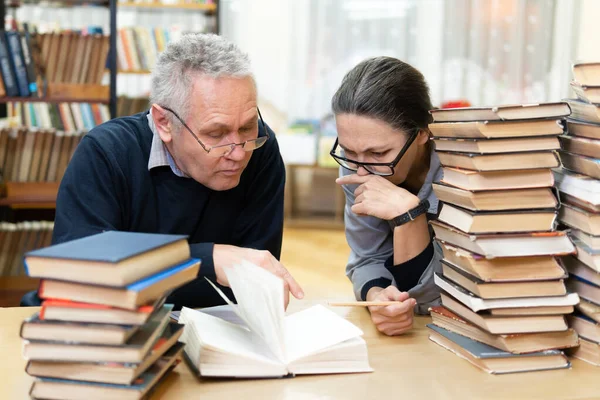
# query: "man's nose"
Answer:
x=237 y=154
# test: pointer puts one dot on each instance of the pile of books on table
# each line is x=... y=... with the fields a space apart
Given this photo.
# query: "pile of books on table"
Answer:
x=579 y=186
x=104 y=327
x=504 y=298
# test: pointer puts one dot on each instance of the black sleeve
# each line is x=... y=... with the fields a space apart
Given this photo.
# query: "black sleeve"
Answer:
x=260 y=225
x=408 y=273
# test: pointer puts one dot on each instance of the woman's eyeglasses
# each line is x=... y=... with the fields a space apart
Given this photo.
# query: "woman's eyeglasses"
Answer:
x=226 y=149
x=381 y=169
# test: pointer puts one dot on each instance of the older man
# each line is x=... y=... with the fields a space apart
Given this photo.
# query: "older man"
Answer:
x=200 y=162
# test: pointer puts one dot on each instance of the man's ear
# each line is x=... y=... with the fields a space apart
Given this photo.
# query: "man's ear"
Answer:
x=423 y=136
x=164 y=127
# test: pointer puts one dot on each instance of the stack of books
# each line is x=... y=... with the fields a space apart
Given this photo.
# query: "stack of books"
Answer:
x=579 y=187
x=104 y=327
x=503 y=290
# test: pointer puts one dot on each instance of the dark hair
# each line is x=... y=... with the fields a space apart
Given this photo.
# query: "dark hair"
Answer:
x=386 y=89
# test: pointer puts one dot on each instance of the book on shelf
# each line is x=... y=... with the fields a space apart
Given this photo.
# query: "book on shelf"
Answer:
x=493 y=360
x=270 y=344
x=502 y=113
x=495 y=146
x=16 y=239
x=512 y=343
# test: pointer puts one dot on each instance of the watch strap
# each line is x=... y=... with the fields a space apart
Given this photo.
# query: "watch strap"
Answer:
x=410 y=215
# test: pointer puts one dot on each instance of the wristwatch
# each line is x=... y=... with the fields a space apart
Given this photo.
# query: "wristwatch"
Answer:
x=410 y=215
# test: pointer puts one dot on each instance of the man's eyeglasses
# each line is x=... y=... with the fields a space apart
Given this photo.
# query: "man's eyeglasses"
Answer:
x=226 y=149
x=381 y=169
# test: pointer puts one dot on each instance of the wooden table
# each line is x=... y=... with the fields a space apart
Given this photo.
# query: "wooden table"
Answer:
x=406 y=367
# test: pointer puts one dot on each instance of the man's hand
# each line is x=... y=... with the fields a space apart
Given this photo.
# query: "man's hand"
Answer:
x=395 y=319
x=378 y=197
x=226 y=255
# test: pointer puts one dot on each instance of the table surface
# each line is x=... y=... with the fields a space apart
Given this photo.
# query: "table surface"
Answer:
x=408 y=366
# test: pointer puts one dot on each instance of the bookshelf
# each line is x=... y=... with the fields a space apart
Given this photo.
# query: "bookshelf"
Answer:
x=36 y=195
x=180 y=5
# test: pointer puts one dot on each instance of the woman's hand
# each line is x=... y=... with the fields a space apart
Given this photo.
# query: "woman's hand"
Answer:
x=378 y=197
x=395 y=319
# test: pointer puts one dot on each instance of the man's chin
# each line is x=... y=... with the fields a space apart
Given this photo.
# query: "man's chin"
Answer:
x=222 y=183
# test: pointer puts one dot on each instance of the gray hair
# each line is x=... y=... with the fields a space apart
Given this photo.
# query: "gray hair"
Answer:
x=194 y=54
x=386 y=89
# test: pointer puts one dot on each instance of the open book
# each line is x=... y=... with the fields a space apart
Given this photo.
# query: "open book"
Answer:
x=266 y=342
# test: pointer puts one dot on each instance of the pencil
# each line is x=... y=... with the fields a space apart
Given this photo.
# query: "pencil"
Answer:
x=362 y=303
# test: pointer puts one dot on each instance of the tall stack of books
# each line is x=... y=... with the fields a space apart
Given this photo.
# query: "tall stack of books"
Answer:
x=503 y=293
x=579 y=187
x=103 y=329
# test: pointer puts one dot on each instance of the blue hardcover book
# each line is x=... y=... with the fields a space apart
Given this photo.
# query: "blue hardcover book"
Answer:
x=494 y=360
x=8 y=74
x=28 y=59
x=16 y=56
x=111 y=258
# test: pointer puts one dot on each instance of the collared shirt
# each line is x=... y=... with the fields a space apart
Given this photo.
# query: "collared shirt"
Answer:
x=159 y=156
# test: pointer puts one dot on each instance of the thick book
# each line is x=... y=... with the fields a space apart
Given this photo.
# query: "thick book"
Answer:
x=502 y=290
x=583 y=129
x=269 y=344
x=116 y=373
x=503 y=112
x=579 y=203
x=586 y=72
x=506 y=244
x=498 y=221
x=71 y=311
x=499 y=162
x=578 y=268
x=581 y=146
x=131 y=296
x=504 y=269
x=589 y=94
x=505 y=324
x=52 y=388
x=13 y=42
x=584 y=111
x=583 y=220
x=497 y=129
x=133 y=351
x=493 y=360
x=580 y=186
x=497 y=146
x=112 y=258
x=581 y=164
x=513 y=343
x=589 y=309
x=497 y=180
x=35 y=328
x=585 y=290
x=497 y=200
x=585 y=326
x=587 y=255
x=588 y=351
x=476 y=303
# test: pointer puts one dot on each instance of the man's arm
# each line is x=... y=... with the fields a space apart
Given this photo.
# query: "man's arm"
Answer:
x=90 y=196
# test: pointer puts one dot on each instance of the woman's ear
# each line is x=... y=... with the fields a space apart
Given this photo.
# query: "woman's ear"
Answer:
x=164 y=127
x=423 y=137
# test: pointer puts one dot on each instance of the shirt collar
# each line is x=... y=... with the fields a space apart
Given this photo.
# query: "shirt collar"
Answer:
x=159 y=156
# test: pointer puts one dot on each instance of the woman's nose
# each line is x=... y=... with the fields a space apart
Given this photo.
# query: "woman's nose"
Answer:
x=362 y=171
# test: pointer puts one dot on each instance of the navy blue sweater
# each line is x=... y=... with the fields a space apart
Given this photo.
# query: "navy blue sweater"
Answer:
x=107 y=186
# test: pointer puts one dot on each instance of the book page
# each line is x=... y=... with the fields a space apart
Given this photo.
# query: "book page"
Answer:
x=217 y=334
x=315 y=329
x=260 y=303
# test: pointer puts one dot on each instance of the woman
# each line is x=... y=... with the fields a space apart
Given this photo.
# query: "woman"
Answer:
x=388 y=166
